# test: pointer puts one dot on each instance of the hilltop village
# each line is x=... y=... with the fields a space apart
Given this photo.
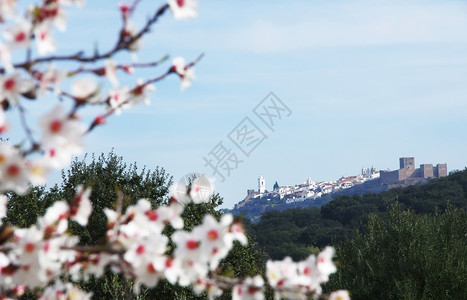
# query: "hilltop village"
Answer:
x=310 y=191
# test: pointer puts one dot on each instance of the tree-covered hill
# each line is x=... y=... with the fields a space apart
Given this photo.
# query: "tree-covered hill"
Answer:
x=295 y=232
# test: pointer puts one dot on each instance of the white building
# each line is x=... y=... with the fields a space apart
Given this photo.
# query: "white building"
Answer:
x=261 y=185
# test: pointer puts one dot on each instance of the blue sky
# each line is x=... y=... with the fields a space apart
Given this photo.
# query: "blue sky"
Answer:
x=367 y=82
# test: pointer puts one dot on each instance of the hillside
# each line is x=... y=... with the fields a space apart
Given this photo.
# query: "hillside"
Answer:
x=295 y=231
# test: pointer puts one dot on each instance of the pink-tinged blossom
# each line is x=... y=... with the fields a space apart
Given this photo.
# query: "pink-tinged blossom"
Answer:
x=136 y=45
x=7 y=8
x=118 y=98
x=60 y=156
x=187 y=78
x=339 y=295
x=64 y=291
x=55 y=220
x=38 y=171
x=62 y=136
x=202 y=285
x=249 y=289
x=18 y=35
x=85 y=89
x=43 y=36
x=27 y=243
x=78 y=3
x=324 y=263
x=3 y=122
x=14 y=174
x=50 y=79
x=140 y=93
x=3 y=208
x=237 y=233
x=186 y=73
x=147 y=260
x=282 y=274
x=202 y=188
x=214 y=237
x=184 y=9
x=12 y=86
x=171 y=214
x=81 y=207
x=111 y=72
x=56 y=15
x=5 y=58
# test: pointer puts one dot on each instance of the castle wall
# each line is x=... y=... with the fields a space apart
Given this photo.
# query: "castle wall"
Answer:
x=426 y=171
x=389 y=177
x=407 y=171
x=442 y=170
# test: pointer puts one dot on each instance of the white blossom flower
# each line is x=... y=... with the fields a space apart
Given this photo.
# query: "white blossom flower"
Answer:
x=140 y=94
x=111 y=72
x=7 y=8
x=62 y=137
x=118 y=98
x=282 y=273
x=214 y=238
x=5 y=58
x=187 y=78
x=202 y=285
x=81 y=207
x=250 y=289
x=3 y=122
x=43 y=36
x=324 y=263
x=64 y=291
x=184 y=9
x=3 y=208
x=55 y=220
x=85 y=89
x=339 y=295
x=50 y=79
x=12 y=86
x=14 y=174
x=18 y=35
x=38 y=171
x=171 y=214
x=187 y=74
x=55 y=15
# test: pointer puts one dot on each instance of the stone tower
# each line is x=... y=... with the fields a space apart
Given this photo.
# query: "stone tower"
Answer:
x=261 y=185
x=407 y=162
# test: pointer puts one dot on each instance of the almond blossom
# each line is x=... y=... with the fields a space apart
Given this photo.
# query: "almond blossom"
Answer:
x=43 y=37
x=3 y=208
x=184 y=9
x=14 y=174
x=118 y=99
x=7 y=8
x=12 y=86
x=50 y=79
x=61 y=135
x=81 y=207
x=85 y=89
x=5 y=57
x=186 y=73
x=140 y=94
x=64 y=291
x=250 y=289
x=339 y=295
x=111 y=72
x=18 y=35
